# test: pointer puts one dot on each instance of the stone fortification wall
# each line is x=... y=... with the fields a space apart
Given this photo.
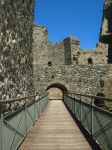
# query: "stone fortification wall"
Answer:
x=16 y=48
x=40 y=37
x=67 y=52
x=45 y=52
x=106 y=28
x=85 y=79
x=83 y=56
x=81 y=70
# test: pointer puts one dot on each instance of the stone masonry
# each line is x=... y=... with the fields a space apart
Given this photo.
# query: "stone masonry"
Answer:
x=44 y=51
x=76 y=78
x=63 y=65
x=66 y=66
x=66 y=52
x=16 y=48
x=106 y=28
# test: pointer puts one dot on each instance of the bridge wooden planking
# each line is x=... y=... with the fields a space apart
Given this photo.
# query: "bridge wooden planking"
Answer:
x=55 y=130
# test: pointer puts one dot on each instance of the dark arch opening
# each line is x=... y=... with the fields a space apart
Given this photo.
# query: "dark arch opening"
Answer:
x=75 y=59
x=50 y=63
x=59 y=86
x=98 y=101
x=90 y=61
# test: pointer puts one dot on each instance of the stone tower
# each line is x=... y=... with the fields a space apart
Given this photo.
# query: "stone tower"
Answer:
x=106 y=28
x=16 y=59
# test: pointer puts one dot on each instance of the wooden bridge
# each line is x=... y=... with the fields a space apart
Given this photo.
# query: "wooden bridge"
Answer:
x=55 y=130
x=68 y=124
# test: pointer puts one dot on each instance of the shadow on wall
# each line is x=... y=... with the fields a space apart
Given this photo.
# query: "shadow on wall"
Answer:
x=56 y=91
x=99 y=102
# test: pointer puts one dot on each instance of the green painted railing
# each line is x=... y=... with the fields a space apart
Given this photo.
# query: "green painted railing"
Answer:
x=96 y=121
x=16 y=120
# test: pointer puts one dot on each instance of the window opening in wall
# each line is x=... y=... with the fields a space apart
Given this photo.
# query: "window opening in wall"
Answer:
x=90 y=61
x=78 y=53
x=75 y=59
x=50 y=63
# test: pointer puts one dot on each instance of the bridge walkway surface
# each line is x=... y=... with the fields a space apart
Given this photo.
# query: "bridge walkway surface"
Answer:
x=55 y=130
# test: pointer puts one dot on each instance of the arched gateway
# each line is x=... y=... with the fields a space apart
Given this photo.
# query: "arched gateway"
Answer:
x=56 y=91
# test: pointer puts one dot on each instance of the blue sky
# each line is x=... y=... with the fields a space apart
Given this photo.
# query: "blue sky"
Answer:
x=63 y=18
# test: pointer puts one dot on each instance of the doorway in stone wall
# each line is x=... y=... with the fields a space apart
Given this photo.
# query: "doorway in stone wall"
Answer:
x=56 y=91
x=55 y=94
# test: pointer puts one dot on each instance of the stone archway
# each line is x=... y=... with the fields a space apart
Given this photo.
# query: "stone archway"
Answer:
x=56 y=91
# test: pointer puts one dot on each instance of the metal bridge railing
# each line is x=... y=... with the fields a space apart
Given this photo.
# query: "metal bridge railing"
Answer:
x=17 y=116
x=96 y=121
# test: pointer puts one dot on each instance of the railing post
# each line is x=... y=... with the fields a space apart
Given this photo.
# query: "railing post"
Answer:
x=2 y=131
x=74 y=105
x=26 y=117
x=39 y=103
x=34 y=107
x=71 y=105
x=80 y=109
x=1 y=115
x=92 y=129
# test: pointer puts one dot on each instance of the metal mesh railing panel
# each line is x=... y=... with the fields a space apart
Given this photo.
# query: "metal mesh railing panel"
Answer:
x=97 y=121
x=16 y=126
